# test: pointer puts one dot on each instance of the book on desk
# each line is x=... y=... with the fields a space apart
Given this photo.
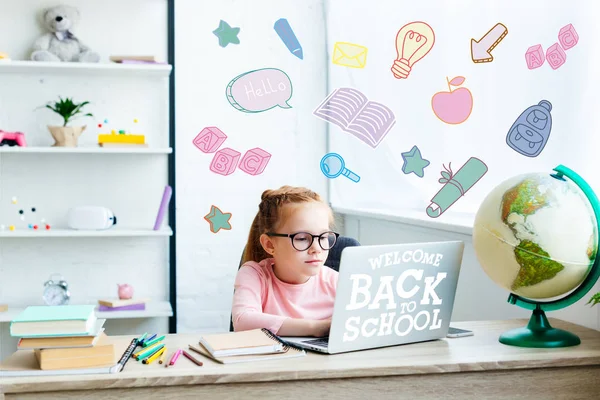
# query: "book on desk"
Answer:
x=245 y=346
x=58 y=338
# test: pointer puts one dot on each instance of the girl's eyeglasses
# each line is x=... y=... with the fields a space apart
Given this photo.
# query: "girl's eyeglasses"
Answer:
x=302 y=241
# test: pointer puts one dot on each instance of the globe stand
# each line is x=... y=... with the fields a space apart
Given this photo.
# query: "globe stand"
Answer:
x=539 y=333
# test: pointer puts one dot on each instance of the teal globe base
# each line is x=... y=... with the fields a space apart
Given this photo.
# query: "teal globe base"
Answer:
x=539 y=333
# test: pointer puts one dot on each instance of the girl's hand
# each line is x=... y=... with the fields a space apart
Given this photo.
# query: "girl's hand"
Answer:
x=321 y=327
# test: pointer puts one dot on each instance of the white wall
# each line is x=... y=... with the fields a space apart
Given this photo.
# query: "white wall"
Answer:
x=130 y=185
x=501 y=90
x=207 y=262
x=477 y=296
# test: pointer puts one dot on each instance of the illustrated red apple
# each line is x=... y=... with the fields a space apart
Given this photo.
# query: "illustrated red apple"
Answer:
x=453 y=106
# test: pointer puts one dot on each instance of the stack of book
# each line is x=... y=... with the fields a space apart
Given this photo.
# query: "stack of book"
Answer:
x=63 y=337
x=122 y=305
x=133 y=59
x=245 y=346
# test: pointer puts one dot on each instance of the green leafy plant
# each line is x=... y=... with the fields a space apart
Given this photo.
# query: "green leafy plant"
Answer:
x=595 y=299
x=68 y=109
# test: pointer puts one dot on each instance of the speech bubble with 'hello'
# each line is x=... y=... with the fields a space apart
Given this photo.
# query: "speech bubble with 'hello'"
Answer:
x=260 y=90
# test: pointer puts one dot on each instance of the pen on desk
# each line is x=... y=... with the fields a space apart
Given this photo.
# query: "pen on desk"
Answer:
x=154 y=356
x=162 y=357
x=153 y=341
x=152 y=353
x=174 y=358
x=189 y=356
x=127 y=354
x=149 y=338
x=141 y=339
x=147 y=350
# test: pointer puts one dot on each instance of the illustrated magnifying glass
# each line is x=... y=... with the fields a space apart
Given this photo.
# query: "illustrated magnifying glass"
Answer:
x=332 y=166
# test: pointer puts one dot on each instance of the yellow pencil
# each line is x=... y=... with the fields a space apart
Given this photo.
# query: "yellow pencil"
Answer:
x=162 y=357
x=155 y=356
x=145 y=349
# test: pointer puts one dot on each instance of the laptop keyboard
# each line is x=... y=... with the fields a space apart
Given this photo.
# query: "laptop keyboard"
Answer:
x=319 y=342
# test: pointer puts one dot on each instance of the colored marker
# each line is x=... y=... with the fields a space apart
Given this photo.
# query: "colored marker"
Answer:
x=287 y=35
x=147 y=350
x=174 y=358
x=141 y=338
x=150 y=353
x=153 y=341
x=148 y=339
x=153 y=356
x=163 y=356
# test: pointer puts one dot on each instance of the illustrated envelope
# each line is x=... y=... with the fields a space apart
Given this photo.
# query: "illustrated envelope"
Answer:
x=349 y=55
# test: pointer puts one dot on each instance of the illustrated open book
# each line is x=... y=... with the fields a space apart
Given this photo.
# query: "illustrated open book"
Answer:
x=245 y=346
x=354 y=113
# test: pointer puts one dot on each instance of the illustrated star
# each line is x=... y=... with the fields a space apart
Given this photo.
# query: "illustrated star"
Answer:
x=218 y=219
x=413 y=162
x=226 y=34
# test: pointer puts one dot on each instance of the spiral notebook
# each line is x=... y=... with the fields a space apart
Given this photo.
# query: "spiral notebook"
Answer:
x=245 y=346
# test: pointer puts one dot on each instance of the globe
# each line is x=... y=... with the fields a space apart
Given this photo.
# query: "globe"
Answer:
x=536 y=235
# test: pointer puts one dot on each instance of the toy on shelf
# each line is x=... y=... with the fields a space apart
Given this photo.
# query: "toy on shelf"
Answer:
x=4 y=56
x=125 y=291
x=3 y=307
x=12 y=139
x=121 y=138
x=59 y=43
x=28 y=222
x=67 y=136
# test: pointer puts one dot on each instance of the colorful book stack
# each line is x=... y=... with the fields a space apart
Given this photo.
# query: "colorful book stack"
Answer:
x=63 y=337
x=122 y=305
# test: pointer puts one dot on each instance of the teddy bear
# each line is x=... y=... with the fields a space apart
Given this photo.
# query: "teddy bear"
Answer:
x=60 y=44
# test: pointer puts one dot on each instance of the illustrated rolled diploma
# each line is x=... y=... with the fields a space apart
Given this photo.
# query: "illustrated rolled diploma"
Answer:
x=456 y=186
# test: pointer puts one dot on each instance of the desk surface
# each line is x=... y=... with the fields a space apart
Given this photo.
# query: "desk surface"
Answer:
x=481 y=352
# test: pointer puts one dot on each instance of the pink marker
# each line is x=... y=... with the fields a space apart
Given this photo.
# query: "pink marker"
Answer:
x=174 y=358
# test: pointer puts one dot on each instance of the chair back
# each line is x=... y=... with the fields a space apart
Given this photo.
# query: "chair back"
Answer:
x=332 y=261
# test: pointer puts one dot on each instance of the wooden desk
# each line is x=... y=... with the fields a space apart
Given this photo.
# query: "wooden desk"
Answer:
x=477 y=367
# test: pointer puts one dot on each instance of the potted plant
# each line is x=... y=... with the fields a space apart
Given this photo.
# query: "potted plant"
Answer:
x=65 y=135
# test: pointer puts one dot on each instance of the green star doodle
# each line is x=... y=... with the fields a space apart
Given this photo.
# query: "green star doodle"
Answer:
x=413 y=162
x=218 y=219
x=226 y=34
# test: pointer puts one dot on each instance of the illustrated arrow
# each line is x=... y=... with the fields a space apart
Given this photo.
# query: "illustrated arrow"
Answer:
x=480 y=49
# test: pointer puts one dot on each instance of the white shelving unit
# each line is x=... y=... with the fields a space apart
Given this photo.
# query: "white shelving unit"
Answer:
x=83 y=71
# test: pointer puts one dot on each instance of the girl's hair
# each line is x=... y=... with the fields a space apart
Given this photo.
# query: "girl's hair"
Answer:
x=270 y=215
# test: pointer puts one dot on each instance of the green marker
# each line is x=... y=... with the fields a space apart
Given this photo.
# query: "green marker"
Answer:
x=149 y=351
x=142 y=337
x=150 y=343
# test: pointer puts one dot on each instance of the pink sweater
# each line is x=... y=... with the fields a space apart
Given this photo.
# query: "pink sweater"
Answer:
x=261 y=300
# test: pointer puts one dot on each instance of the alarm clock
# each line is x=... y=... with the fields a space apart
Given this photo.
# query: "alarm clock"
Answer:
x=56 y=291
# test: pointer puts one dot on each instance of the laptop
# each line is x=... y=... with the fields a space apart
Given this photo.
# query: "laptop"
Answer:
x=389 y=295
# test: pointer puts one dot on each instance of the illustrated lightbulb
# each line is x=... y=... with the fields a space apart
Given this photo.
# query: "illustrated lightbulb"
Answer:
x=413 y=42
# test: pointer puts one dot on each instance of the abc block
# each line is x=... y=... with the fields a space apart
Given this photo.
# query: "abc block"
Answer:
x=556 y=56
x=255 y=161
x=568 y=37
x=210 y=139
x=225 y=161
x=534 y=56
